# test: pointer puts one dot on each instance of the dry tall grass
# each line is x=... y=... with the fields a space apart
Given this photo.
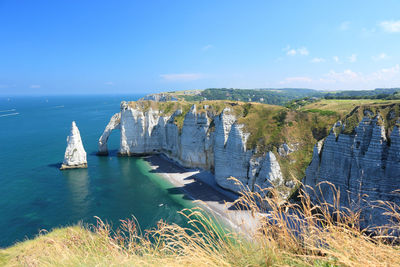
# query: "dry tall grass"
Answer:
x=300 y=234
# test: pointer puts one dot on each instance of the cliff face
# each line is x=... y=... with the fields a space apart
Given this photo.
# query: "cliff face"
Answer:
x=112 y=125
x=365 y=162
x=360 y=156
x=205 y=140
x=75 y=154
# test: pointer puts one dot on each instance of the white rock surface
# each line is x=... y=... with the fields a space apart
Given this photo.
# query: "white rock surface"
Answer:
x=75 y=154
x=193 y=139
x=363 y=166
x=270 y=172
x=221 y=148
x=112 y=125
x=285 y=150
x=232 y=159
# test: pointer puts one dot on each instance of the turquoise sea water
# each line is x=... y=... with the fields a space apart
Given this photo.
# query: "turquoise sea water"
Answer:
x=35 y=194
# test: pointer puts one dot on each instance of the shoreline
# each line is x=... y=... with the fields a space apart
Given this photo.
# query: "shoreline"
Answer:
x=200 y=186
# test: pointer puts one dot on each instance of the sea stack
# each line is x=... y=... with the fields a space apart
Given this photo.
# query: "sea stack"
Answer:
x=75 y=154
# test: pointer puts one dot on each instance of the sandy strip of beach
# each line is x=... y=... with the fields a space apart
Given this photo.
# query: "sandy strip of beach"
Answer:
x=200 y=186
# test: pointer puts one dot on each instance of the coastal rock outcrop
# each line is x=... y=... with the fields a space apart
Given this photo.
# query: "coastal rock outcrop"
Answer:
x=75 y=154
x=363 y=165
x=285 y=150
x=112 y=125
x=160 y=97
x=206 y=140
x=360 y=156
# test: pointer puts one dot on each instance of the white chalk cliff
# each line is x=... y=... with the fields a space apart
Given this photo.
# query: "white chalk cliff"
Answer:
x=75 y=154
x=364 y=166
x=112 y=125
x=363 y=162
x=211 y=142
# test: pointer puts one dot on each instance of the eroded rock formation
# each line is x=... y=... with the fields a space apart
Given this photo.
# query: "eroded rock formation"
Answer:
x=212 y=142
x=364 y=166
x=75 y=154
x=112 y=125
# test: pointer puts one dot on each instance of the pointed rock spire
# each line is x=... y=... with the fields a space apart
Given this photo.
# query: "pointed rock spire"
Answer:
x=75 y=155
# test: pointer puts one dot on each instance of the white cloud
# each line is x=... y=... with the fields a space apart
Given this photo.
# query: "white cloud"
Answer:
x=391 y=26
x=109 y=83
x=387 y=73
x=35 y=86
x=317 y=60
x=344 y=26
x=336 y=59
x=181 y=77
x=303 y=51
x=291 y=52
x=345 y=76
x=349 y=76
x=207 y=47
x=381 y=56
x=296 y=80
x=353 y=58
x=349 y=79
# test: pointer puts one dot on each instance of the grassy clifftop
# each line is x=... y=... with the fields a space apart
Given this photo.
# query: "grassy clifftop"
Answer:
x=352 y=111
x=270 y=126
x=265 y=96
x=301 y=126
x=281 y=96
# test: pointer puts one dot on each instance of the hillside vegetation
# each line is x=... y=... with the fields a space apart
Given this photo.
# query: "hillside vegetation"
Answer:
x=283 y=96
x=294 y=235
x=270 y=126
x=300 y=125
x=380 y=93
x=352 y=111
x=266 y=96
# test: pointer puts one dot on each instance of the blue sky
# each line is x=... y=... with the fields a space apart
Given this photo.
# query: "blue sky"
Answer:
x=75 y=47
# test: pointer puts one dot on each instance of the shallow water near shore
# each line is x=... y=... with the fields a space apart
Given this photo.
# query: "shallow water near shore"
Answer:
x=35 y=194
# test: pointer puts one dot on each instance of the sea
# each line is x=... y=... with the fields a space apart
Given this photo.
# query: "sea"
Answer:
x=35 y=195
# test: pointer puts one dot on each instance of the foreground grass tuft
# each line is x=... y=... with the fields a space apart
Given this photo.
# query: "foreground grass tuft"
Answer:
x=297 y=234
